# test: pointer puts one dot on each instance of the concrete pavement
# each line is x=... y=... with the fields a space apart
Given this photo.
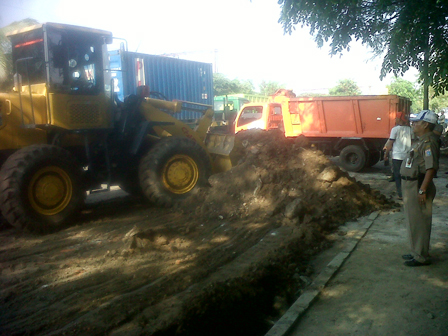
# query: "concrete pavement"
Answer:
x=365 y=289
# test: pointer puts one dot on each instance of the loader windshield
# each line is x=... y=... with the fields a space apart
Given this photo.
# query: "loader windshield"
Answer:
x=75 y=62
x=68 y=61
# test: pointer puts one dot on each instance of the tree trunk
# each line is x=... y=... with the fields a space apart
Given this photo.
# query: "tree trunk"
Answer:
x=426 y=79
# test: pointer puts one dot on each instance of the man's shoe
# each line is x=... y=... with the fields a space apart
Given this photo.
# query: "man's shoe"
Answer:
x=407 y=257
x=415 y=263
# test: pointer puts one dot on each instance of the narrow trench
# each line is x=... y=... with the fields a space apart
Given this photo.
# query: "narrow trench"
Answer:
x=246 y=308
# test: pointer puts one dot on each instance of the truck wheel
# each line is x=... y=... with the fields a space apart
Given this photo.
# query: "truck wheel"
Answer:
x=173 y=170
x=353 y=158
x=374 y=158
x=41 y=188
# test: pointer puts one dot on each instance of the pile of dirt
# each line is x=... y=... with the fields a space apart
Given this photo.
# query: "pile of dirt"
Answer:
x=280 y=178
x=229 y=263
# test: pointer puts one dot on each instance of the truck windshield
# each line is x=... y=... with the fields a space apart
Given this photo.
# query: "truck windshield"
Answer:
x=28 y=56
x=250 y=114
x=218 y=105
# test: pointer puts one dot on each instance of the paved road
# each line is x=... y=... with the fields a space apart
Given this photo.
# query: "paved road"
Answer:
x=373 y=293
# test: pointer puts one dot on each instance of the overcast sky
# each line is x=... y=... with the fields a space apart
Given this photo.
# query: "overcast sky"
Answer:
x=242 y=38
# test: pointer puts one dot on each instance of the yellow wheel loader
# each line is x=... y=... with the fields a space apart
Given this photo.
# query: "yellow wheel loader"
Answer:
x=63 y=133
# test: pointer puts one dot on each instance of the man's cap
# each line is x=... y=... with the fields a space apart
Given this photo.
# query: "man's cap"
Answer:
x=426 y=115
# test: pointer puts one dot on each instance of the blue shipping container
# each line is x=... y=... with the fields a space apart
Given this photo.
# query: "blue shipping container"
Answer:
x=168 y=78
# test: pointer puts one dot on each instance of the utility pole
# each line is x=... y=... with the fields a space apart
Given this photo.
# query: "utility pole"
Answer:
x=426 y=77
x=215 y=65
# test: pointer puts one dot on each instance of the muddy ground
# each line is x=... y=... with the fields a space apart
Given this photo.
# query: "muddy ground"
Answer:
x=229 y=261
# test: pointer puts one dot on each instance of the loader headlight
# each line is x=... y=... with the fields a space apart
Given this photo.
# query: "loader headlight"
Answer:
x=72 y=63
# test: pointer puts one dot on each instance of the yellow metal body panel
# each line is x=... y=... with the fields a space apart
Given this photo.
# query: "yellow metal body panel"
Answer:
x=225 y=150
x=12 y=133
x=291 y=122
x=218 y=146
x=80 y=111
x=151 y=113
x=69 y=112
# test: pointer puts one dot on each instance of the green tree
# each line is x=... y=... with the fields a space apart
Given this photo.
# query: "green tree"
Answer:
x=269 y=88
x=436 y=104
x=414 y=91
x=411 y=33
x=6 y=68
x=345 y=87
x=408 y=89
x=439 y=103
x=404 y=88
x=224 y=86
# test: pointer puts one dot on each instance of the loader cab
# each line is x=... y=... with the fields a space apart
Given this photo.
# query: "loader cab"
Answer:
x=76 y=64
x=61 y=76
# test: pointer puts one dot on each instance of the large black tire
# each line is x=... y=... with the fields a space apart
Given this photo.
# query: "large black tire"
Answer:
x=41 y=188
x=374 y=158
x=353 y=158
x=131 y=184
x=173 y=170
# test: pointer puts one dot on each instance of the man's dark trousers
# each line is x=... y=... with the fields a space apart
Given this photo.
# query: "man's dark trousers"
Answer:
x=396 y=164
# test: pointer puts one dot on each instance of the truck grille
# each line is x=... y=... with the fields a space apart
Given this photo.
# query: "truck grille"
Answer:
x=85 y=114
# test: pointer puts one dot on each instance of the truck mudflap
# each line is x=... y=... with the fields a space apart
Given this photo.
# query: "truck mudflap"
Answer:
x=224 y=149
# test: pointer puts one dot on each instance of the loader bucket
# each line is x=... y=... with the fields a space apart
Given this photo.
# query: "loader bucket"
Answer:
x=225 y=151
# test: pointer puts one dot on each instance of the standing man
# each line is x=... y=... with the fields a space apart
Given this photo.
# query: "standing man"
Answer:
x=400 y=144
x=417 y=172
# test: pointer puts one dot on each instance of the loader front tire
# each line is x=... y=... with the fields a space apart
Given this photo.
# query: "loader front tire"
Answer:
x=131 y=184
x=172 y=170
x=41 y=188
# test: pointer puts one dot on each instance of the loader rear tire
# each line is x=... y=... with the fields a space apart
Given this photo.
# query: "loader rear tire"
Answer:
x=353 y=158
x=41 y=188
x=174 y=169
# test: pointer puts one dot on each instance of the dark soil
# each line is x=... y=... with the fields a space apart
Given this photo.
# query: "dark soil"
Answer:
x=236 y=251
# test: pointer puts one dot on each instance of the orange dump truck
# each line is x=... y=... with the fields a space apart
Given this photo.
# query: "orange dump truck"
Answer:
x=354 y=128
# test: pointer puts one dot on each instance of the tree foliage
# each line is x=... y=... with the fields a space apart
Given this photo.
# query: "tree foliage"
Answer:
x=439 y=103
x=408 y=33
x=6 y=69
x=436 y=104
x=345 y=87
x=414 y=91
x=224 y=86
x=408 y=89
x=269 y=88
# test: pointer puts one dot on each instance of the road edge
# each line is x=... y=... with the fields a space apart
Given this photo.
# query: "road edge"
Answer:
x=304 y=301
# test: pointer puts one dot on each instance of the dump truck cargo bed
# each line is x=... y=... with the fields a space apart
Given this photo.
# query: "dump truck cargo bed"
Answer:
x=354 y=116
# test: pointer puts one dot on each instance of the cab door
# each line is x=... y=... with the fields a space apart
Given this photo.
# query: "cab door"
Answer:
x=275 y=117
x=250 y=117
